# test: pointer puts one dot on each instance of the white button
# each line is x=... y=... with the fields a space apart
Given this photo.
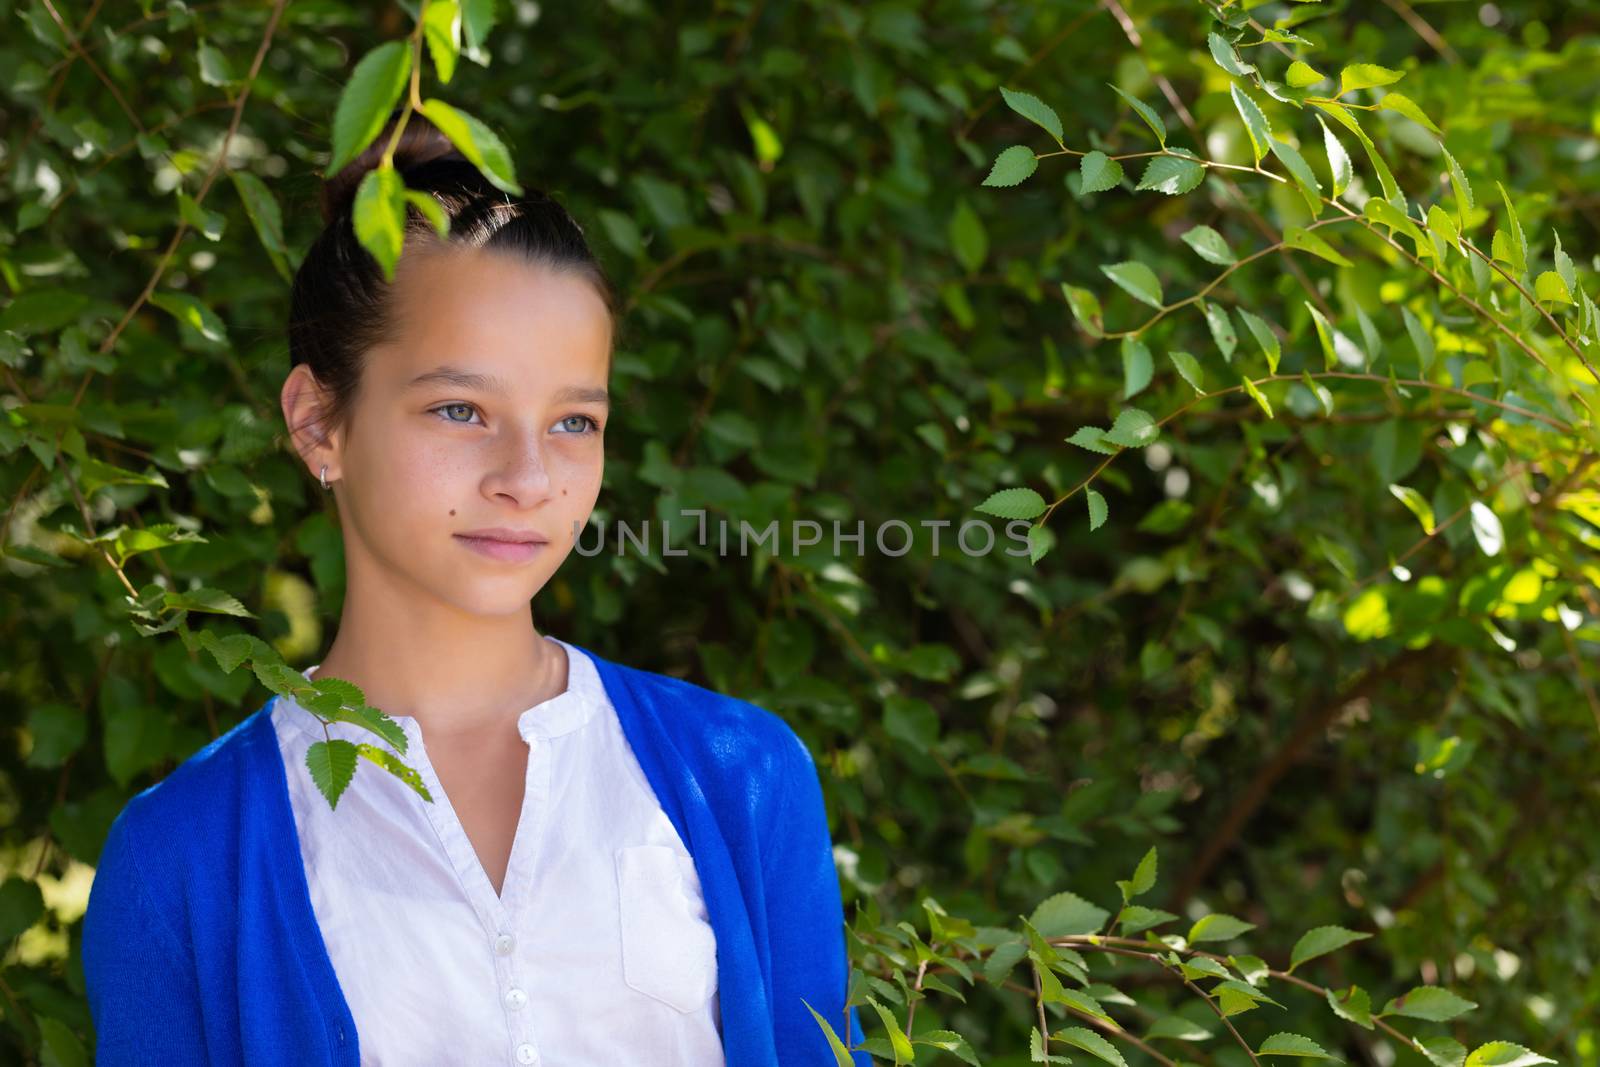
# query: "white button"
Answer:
x=526 y=1054
x=515 y=998
x=504 y=944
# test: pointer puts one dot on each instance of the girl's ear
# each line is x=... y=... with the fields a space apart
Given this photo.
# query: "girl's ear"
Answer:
x=305 y=405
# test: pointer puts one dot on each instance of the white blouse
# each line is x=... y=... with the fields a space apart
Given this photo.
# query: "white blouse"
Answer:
x=598 y=949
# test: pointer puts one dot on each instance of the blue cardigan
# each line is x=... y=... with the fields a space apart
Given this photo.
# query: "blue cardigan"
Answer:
x=200 y=944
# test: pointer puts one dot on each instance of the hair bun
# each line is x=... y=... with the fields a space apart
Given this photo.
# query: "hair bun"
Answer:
x=421 y=143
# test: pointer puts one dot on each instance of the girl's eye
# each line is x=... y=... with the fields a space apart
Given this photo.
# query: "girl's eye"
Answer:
x=447 y=407
x=584 y=421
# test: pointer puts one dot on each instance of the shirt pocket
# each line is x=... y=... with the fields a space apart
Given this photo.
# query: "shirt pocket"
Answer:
x=669 y=951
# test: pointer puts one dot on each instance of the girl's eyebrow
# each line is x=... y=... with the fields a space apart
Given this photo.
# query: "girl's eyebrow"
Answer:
x=489 y=383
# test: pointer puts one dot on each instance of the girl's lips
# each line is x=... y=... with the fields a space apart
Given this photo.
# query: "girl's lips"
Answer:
x=509 y=551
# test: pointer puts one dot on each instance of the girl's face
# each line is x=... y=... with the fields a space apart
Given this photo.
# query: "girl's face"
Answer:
x=486 y=412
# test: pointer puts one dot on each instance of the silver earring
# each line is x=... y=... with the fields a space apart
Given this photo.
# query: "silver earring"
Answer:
x=323 y=477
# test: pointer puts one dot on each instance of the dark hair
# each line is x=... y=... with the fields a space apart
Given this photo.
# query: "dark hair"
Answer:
x=340 y=304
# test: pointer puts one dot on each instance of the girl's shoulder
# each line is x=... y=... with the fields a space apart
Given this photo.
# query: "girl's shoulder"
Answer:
x=720 y=732
x=200 y=800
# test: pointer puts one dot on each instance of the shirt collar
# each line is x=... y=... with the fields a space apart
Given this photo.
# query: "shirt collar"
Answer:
x=566 y=711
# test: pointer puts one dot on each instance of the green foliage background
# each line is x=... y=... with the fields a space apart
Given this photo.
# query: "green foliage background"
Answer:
x=1322 y=701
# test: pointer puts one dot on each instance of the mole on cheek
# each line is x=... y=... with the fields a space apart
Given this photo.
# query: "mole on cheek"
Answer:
x=452 y=511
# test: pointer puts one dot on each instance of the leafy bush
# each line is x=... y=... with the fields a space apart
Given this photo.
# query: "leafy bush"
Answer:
x=1327 y=634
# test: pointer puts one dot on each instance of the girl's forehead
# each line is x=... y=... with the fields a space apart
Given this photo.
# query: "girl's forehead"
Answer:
x=468 y=308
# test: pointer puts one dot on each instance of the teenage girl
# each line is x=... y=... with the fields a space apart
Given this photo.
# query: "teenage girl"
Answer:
x=599 y=864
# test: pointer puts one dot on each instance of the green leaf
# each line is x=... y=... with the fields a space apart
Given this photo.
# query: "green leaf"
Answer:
x=1034 y=110
x=1097 y=508
x=1421 y=339
x=1151 y=119
x=1255 y=123
x=1177 y=1028
x=1366 y=76
x=1443 y=1051
x=94 y=474
x=214 y=66
x=1221 y=327
x=1486 y=529
x=1041 y=539
x=1504 y=1054
x=1209 y=246
x=1189 y=368
x=1433 y=1003
x=1403 y=104
x=1342 y=115
x=477 y=142
x=1217 y=926
x=192 y=313
x=1320 y=941
x=1233 y=1002
x=1304 y=179
x=1144 y=877
x=1417 y=503
x=1085 y=308
x=215 y=601
x=1133 y=429
x=1385 y=213
x=46 y=310
x=968 y=237
x=21 y=906
x=1340 y=170
x=1202 y=967
x=1301 y=74
x=431 y=210
x=441 y=29
x=1014 y=504
x=898 y=1041
x=1441 y=223
x=1012 y=166
x=367 y=100
x=1262 y=331
x=207 y=223
x=1330 y=354
x=1099 y=172
x=1551 y=288
x=1304 y=240
x=1293 y=1045
x=477 y=19
x=912 y=721
x=1252 y=968
x=1519 y=243
x=1256 y=395
x=1092 y=1043
x=1065 y=914
x=58 y=730
x=1138 y=280
x=1136 y=918
x=392 y=763
x=1079 y=1001
x=841 y=1052
x=261 y=205
x=332 y=764
x=1353 y=1004
x=1137 y=366
x=1564 y=265
x=380 y=216
x=1226 y=57
x=1092 y=438
x=1173 y=175
x=948 y=1041
x=1463 y=189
